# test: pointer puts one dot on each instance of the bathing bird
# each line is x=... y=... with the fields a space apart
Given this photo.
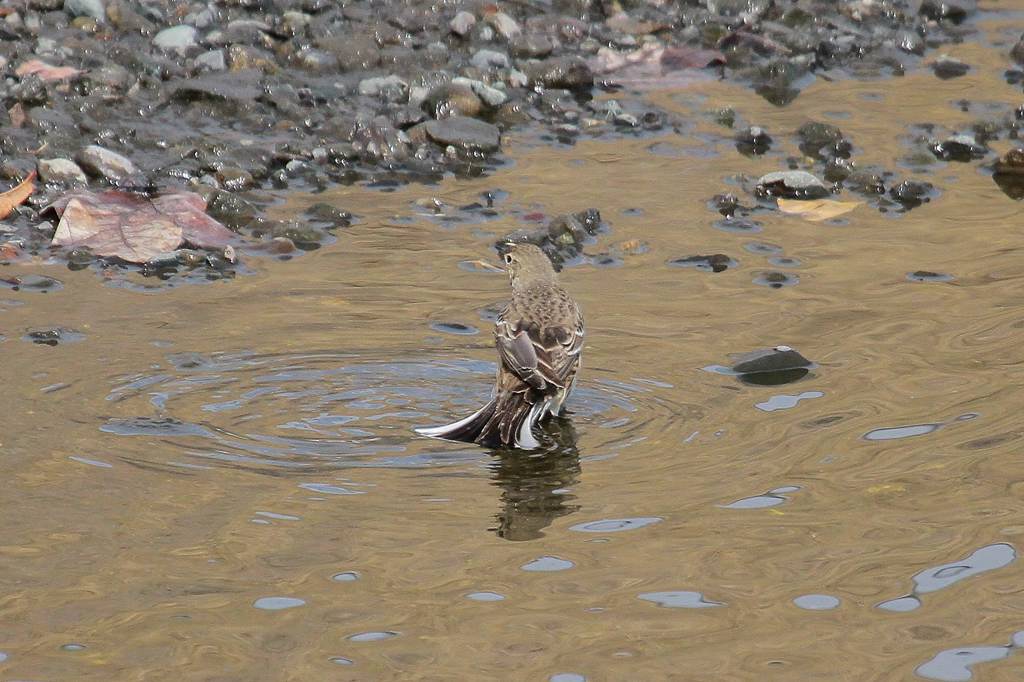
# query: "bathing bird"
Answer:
x=539 y=336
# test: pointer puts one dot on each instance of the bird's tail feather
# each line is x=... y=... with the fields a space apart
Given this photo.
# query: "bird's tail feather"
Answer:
x=465 y=429
x=506 y=420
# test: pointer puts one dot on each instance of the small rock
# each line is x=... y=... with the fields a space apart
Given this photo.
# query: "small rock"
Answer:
x=1017 y=53
x=571 y=73
x=61 y=171
x=753 y=141
x=234 y=179
x=391 y=87
x=532 y=46
x=791 y=185
x=1011 y=163
x=492 y=97
x=243 y=57
x=452 y=99
x=961 y=148
x=316 y=60
x=954 y=11
x=490 y=59
x=212 y=61
x=778 y=359
x=718 y=262
x=462 y=23
x=507 y=27
x=104 y=163
x=946 y=67
x=819 y=140
x=176 y=38
x=86 y=8
x=911 y=193
x=464 y=133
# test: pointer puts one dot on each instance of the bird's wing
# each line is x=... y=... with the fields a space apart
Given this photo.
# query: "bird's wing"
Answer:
x=539 y=356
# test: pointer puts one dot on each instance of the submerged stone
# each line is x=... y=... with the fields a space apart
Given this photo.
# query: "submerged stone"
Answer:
x=791 y=185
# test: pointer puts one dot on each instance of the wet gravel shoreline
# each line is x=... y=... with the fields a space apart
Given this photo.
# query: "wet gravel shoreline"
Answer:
x=240 y=101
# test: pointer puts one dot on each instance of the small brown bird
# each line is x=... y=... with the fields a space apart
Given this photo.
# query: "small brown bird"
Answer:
x=539 y=336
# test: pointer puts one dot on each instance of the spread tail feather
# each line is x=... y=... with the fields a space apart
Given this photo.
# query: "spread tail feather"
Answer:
x=506 y=420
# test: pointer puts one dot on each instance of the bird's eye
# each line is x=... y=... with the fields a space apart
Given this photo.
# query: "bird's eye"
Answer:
x=508 y=258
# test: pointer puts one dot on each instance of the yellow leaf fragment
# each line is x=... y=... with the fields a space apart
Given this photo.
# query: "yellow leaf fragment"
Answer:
x=818 y=209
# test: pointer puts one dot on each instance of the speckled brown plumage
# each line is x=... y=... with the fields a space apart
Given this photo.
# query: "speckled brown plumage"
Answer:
x=539 y=336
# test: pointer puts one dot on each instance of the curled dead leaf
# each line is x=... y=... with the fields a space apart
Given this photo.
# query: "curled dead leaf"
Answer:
x=46 y=72
x=17 y=196
x=818 y=209
x=135 y=228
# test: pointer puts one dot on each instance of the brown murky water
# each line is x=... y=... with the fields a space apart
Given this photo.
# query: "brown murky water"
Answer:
x=206 y=456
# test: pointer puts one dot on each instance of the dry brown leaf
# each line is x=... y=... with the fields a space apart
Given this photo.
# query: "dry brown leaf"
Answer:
x=15 y=197
x=136 y=235
x=135 y=228
x=818 y=209
x=8 y=251
x=17 y=114
x=46 y=72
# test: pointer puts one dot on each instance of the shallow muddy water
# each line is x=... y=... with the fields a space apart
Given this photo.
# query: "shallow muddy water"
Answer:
x=221 y=482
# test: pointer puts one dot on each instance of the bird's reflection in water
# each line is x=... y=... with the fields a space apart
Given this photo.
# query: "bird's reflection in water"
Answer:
x=535 y=483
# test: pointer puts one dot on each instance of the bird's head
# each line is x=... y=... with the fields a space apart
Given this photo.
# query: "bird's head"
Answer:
x=526 y=264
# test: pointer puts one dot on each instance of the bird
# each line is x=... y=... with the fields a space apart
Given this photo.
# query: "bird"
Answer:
x=539 y=336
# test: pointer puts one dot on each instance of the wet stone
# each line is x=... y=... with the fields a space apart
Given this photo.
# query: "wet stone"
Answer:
x=176 y=38
x=819 y=140
x=465 y=133
x=104 y=163
x=946 y=67
x=86 y=8
x=61 y=171
x=718 y=262
x=962 y=148
x=912 y=193
x=462 y=23
x=929 y=276
x=753 y=141
x=53 y=336
x=777 y=359
x=570 y=73
x=776 y=280
x=214 y=60
x=791 y=185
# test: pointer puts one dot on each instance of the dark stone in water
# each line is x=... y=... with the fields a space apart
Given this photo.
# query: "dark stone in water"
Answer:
x=929 y=276
x=821 y=140
x=53 y=336
x=912 y=193
x=753 y=141
x=961 y=148
x=718 y=262
x=954 y=11
x=570 y=73
x=454 y=328
x=787 y=376
x=774 y=359
x=776 y=280
x=947 y=67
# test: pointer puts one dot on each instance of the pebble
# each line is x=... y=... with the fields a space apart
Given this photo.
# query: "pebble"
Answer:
x=462 y=23
x=487 y=59
x=507 y=27
x=464 y=133
x=61 y=171
x=179 y=37
x=392 y=87
x=791 y=185
x=571 y=73
x=104 y=163
x=213 y=60
x=86 y=8
x=945 y=67
x=492 y=97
